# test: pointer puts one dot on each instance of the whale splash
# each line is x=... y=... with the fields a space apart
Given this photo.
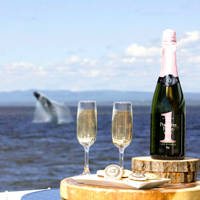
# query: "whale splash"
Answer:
x=50 y=111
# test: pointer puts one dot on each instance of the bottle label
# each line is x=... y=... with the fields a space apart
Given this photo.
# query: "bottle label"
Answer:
x=166 y=123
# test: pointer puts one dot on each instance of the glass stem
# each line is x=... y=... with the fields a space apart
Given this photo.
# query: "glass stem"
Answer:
x=86 y=164
x=121 y=157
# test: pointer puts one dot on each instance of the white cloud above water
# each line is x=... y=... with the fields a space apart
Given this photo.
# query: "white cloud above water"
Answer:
x=194 y=60
x=136 y=67
x=138 y=50
x=189 y=37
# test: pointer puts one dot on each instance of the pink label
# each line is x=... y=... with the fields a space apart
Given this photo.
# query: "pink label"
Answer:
x=168 y=127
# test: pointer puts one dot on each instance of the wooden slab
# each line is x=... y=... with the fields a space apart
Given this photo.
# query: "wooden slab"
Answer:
x=179 y=171
x=72 y=190
x=149 y=164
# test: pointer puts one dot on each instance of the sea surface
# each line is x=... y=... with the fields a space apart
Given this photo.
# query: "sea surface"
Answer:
x=39 y=155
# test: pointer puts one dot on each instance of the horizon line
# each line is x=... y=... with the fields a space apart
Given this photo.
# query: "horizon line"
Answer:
x=98 y=90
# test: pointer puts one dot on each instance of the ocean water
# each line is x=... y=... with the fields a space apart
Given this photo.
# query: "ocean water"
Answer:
x=39 y=155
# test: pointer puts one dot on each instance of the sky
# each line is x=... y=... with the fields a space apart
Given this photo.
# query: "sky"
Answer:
x=95 y=45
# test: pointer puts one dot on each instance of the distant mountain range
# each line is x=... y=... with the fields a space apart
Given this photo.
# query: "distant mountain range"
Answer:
x=26 y=98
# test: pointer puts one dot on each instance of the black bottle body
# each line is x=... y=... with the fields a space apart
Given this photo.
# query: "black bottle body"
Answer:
x=168 y=120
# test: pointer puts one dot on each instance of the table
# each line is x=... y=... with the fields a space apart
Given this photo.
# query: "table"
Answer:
x=53 y=194
x=74 y=190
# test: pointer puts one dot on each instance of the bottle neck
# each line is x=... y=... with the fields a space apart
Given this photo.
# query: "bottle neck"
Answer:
x=169 y=61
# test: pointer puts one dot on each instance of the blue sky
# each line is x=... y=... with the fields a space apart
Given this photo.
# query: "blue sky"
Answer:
x=94 y=45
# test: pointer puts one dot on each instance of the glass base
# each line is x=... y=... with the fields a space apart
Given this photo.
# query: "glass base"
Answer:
x=86 y=171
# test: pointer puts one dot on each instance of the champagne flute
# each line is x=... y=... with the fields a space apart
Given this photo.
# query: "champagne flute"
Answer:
x=122 y=119
x=86 y=128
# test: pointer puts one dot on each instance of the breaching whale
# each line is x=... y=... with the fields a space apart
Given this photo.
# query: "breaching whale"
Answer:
x=48 y=106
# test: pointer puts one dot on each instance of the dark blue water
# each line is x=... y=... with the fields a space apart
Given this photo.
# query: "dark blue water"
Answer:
x=36 y=156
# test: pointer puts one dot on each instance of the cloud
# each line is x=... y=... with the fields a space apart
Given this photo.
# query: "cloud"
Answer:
x=73 y=60
x=138 y=50
x=128 y=60
x=137 y=64
x=19 y=69
x=90 y=73
x=89 y=62
x=194 y=59
x=189 y=38
x=149 y=60
x=21 y=66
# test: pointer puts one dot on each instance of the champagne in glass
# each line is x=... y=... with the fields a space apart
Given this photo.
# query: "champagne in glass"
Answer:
x=86 y=128
x=122 y=119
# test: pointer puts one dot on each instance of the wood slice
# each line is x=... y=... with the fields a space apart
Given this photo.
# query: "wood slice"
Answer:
x=179 y=171
x=72 y=190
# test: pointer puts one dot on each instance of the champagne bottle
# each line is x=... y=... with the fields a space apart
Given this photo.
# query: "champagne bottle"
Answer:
x=168 y=106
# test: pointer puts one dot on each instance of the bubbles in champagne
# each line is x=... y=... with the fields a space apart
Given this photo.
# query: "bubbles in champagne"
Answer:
x=122 y=128
x=86 y=126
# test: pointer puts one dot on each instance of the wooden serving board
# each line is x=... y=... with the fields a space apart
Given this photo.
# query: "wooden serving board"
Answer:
x=71 y=189
x=179 y=171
